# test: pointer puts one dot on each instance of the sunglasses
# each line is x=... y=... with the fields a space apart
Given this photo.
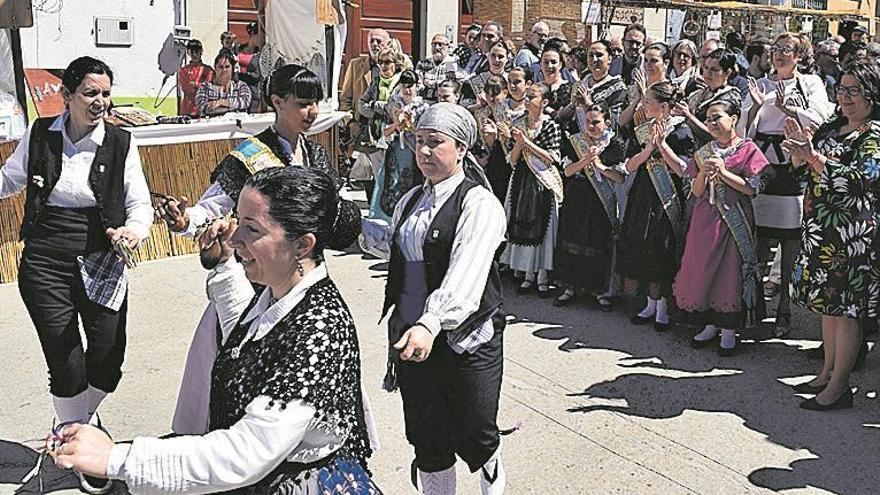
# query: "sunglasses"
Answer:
x=784 y=50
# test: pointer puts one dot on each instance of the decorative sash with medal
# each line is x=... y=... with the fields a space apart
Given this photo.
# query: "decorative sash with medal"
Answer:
x=548 y=176
x=256 y=155
x=660 y=176
x=737 y=222
x=581 y=144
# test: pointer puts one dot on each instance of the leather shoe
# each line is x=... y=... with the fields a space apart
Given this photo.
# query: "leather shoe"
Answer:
x=726 y=351
x=641 y=320
x=699 y=344
x=806 y=388
x=563 y=299
x=662 y=327
x=525 y=287
x=543 y=291
x=845 y=401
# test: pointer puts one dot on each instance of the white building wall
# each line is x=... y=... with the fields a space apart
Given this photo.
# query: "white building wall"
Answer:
x=56 y=39
x=438 y=16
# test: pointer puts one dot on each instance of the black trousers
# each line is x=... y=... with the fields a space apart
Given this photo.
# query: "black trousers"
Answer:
x=450 y=404
x=52 y=289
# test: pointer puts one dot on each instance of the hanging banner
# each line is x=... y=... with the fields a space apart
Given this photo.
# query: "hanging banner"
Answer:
x=628 y=15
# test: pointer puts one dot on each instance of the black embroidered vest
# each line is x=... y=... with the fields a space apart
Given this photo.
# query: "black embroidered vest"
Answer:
x=106 y=177
x=436 y=251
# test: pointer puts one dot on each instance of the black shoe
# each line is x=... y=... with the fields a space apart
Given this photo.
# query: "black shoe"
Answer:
x=604 y=303
x=641 y=320
x=662 y=327
x=726 y=351
x=860 y=359
x=817 y=352
x=783 y=325
x=806 y=388
x=845 y=401
x=563 y=299
x=525 y=287
x=699 y=344
x=543 y=291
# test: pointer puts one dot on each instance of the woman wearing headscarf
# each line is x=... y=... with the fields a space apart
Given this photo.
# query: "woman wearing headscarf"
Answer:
x=86 y=198
x=445 y=333
x=779 y=208
x=286 y=413
x=293 y=92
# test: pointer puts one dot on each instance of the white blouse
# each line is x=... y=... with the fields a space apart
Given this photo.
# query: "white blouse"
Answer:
x=72 y=189
x=257 y=443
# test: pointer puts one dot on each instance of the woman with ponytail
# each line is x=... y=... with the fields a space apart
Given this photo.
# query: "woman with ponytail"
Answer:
x=647 y=256
x=286 y=409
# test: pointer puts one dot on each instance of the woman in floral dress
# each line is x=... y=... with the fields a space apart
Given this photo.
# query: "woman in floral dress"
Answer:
x=836 y=274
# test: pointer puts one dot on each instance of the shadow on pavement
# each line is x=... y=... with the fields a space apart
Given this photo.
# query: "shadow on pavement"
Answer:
x=662 y=377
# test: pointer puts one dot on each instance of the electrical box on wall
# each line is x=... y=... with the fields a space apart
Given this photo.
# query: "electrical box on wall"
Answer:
x=114 y=31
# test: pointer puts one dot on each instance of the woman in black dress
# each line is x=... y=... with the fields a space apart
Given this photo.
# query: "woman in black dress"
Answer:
x=647 y=256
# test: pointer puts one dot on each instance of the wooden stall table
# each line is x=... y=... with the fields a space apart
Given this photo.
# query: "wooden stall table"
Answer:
x=178 y=160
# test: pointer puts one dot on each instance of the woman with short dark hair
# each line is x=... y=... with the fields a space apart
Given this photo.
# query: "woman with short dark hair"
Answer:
x=837 y=273
x=87 y=200
x=225 y=93
x=286 y=410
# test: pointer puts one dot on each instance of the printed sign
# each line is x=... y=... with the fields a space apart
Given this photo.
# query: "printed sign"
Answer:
x=628 y=15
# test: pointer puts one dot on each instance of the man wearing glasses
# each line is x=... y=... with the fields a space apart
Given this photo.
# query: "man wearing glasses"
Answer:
x=829 y=69
x=479 y=61
x=530 y=52
x=436 y=69
x=633 y=43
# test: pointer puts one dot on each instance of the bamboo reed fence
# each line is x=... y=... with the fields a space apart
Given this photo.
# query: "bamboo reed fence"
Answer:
x=180 y=169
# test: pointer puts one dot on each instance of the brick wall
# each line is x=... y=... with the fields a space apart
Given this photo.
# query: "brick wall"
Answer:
x=517 y=16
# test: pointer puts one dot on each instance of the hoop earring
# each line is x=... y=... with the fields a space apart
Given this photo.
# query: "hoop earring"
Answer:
x=300 y=268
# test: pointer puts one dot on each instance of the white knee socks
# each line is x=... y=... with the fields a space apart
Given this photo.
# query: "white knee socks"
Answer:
x=492 y=476
x=439 y=483
x=661 y=316
x=650 y=309
x=74 y=408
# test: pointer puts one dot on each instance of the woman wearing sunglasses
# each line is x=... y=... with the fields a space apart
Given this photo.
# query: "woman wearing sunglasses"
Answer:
x=778 y=210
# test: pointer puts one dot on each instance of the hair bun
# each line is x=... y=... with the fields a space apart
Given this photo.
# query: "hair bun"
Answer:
x=346 y=225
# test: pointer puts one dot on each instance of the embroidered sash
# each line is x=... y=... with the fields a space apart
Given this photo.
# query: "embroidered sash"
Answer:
x=737 y=222
x=603 y=188
x=547 y=175
x=660 y=176
x=256 y=155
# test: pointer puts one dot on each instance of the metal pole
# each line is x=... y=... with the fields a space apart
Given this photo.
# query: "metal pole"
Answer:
x=18 y=70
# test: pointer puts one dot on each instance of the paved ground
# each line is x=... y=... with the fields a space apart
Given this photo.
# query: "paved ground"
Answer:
x=605 y=407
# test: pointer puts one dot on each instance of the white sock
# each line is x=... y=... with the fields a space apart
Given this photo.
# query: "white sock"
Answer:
x=650 y=309
x=439 y=483
x=728 y=338
x=708 y=333
x=74 y=408
x=530 y=276
x=661 y=316
x=495 y=469
x=94 y=397
x=542 y=277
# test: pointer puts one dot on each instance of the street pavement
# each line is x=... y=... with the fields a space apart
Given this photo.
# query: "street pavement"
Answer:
x=603 y=407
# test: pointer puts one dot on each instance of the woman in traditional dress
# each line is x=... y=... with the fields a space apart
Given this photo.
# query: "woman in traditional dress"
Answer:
x=588 y=222
x=720 y=256
x=518 y=80
x=558 y=88
x=286 y=413
x=446 y=331
x=597 y=86
x=718 y=67
x=399 y=169
x=87 y=200
x=647 y=254
x=779 y=208
x=534 y=194
x=498 y=56
x=491 y=152
x=655 y=65
x=293 y=92
x=837 y=273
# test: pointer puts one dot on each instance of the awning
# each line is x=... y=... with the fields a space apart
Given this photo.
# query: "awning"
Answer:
x=737 y=6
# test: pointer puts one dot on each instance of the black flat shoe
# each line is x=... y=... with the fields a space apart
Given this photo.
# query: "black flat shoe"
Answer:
x=845 y=401
x=543 y=291
x=806 y=388
x=727 y=351
x=604 y=303
x=525 y=287
x=563 y=299
x=662 y=327
x=699 y=344
x=641 y=320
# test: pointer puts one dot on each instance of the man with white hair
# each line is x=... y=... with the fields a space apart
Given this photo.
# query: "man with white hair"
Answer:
x=479 y=62
x=434 y=70
x=530 y=52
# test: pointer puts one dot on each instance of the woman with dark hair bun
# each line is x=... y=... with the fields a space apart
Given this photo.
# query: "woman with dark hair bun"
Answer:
x=87 y=200
x=286 y=409
x=837 y=272
x=293 y=92
x=648 y=254
x=225 y=93
x=718 y=68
